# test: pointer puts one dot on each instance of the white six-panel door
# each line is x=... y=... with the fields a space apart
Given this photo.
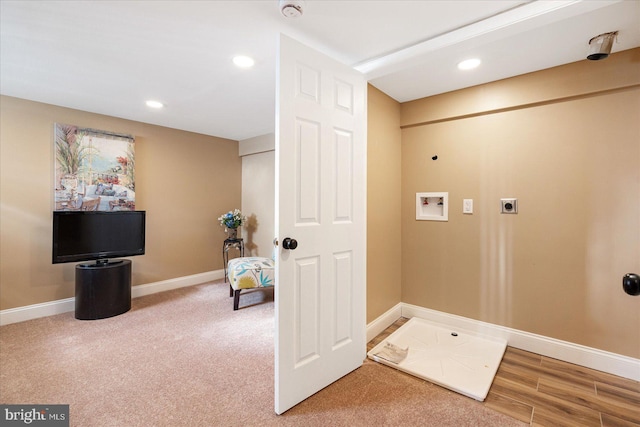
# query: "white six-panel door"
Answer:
x=321 y=203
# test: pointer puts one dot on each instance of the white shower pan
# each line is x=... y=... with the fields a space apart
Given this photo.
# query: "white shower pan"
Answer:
x=455 y=359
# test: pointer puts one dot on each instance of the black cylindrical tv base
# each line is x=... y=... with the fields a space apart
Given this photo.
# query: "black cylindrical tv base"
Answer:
x=103 y=290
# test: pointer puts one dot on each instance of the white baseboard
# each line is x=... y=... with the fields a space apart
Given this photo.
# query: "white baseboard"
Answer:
x=20 y=314
x=600 y=360
x=180 y=282
x=592 y=358
x=384 y=321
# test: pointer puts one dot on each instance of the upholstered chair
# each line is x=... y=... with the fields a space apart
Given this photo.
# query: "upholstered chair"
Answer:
x=249 y=273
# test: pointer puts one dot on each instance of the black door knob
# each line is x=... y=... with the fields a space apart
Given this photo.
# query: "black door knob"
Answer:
x=289 y=243
x=631 y=284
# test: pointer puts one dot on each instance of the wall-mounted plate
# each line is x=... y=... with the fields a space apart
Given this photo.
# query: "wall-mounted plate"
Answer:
x=509 y=206
x=432 y=206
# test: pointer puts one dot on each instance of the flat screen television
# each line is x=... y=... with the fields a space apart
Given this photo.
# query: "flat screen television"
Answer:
x=86 y=236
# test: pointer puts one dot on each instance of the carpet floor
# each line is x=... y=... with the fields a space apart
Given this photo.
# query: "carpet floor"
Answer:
x=185 y=358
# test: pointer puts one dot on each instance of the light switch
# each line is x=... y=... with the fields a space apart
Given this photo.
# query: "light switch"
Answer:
x=467 y=206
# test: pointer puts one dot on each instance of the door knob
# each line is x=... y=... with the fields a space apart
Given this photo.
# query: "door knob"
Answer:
x=289 y=243
x=631 y=284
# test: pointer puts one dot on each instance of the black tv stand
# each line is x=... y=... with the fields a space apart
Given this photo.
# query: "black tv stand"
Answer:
x=103 y=289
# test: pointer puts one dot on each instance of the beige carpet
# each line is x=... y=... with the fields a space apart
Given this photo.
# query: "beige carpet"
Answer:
x=185 y=358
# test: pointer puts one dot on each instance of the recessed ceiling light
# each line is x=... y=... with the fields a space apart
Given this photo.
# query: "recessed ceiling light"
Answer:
x=243 y=61
x=469 y=64
x=154 y=104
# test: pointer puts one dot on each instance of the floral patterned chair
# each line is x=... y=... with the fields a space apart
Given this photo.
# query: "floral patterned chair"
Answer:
x=249 y=273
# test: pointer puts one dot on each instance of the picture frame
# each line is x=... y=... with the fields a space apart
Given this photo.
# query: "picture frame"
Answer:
x=94 y=170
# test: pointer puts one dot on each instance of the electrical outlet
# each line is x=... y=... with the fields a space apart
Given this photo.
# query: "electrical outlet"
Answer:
x=509 y=206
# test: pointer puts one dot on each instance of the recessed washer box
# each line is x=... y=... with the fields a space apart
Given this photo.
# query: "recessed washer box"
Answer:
x=432 y=206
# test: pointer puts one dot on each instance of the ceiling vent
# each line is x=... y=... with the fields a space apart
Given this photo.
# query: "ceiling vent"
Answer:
x=291 y=8
x=600 y=46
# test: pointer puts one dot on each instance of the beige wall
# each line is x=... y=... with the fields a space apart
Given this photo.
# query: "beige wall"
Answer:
x=183 y=180
x=566 y=143
x=383 y=204
x=258 y=202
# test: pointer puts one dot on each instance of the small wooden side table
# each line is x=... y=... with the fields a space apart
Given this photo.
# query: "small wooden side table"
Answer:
x=236 y=243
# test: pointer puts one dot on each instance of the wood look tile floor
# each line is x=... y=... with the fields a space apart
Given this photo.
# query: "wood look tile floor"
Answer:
x=547 y=392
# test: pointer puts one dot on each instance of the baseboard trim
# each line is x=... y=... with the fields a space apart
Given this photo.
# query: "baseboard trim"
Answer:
x=180 y=282
x=21 y=314
x=384 y=321
x=589 y=357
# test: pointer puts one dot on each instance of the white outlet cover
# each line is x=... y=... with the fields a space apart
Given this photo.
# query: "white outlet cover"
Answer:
x=467 y=206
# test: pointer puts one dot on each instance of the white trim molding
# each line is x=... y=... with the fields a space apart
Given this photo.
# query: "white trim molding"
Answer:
x=257 y=144
x=21 y=314
x=612 y=363
x=384 y=321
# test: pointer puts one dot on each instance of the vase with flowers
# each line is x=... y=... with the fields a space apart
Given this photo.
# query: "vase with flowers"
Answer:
x=231 y=221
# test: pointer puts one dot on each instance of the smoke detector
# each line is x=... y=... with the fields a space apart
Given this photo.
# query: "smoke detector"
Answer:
x=291 y=8
x=600 y=46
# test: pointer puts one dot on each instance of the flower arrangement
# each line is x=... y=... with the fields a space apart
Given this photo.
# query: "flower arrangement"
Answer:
x=232 y=219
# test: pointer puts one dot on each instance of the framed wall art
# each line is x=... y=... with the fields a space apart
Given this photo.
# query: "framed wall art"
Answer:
x=94 y=170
